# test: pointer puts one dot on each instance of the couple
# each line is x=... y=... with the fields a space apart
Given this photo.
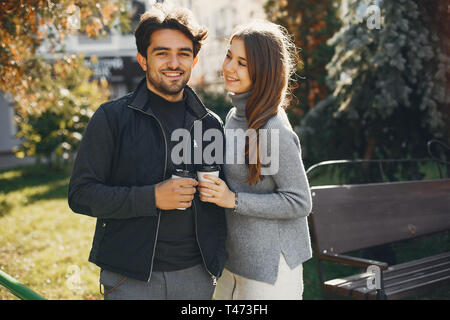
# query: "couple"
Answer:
x=241 y=235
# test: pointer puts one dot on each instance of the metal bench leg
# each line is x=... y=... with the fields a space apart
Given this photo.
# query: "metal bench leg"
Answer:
x=381 y=295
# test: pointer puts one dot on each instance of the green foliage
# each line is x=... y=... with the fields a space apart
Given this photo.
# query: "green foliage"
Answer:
x=53 y=99
x=215 y=101
x=26 y=24
x=389 y=86
x=67 y=100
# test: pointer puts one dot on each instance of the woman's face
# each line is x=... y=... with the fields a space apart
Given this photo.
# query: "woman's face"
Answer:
x=235 y=70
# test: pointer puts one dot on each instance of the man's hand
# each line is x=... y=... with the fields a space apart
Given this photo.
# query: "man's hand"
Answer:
x=175 y=193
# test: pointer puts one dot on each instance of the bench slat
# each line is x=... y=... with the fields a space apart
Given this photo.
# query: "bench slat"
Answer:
x=419 y=269
x=409 y=285
x=424 y=261
x=398 y=279
x=379 y=213
x=417 y=289
x=340 y=286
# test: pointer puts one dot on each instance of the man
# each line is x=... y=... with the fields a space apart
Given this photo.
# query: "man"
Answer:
x=145 y=246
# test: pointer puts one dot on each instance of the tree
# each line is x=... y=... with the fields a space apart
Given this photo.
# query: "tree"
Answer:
x=26 y=24
x=311 y=23
x=390 y=85
x=67 y=100
x=51 y=95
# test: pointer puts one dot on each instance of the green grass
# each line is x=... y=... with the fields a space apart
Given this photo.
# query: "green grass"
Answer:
x=42 y=242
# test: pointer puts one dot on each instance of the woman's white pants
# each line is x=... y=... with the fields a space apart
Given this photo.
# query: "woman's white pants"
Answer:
x=288 y=286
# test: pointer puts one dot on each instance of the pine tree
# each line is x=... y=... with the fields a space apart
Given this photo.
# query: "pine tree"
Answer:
x=390 y=85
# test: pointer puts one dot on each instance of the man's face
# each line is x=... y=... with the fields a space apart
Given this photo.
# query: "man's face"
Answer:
x=169 y=63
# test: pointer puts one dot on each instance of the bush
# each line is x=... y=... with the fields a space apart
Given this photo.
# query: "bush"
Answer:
x=65 y=102
x=215 y=101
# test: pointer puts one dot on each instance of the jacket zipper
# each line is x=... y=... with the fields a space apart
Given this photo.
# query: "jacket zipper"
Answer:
x=164 y=175
x=213 y=277
x=185 y=165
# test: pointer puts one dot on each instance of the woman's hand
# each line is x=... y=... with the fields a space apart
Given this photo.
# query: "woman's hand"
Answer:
x=216 y=192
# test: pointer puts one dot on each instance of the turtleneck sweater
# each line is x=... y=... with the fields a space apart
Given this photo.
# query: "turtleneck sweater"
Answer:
x=239 y=102
x=271 y=216
x=176 y=247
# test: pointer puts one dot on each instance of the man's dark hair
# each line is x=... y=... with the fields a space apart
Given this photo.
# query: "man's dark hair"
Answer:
x=162 y=17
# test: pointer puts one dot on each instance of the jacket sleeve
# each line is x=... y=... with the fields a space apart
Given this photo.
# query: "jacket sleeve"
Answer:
x=89 y=192
x=291 y=198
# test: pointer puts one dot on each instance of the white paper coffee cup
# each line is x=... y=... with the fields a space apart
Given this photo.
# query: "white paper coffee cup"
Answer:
x=182 y=174
x=202 y=173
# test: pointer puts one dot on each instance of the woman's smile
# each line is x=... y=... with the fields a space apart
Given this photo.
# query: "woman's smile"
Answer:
x=235 y=71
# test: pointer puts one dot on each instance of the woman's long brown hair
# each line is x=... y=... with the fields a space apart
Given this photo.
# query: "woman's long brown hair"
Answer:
x=271 y=60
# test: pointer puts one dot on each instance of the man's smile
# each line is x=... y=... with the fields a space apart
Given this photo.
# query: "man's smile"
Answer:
x=173 y=75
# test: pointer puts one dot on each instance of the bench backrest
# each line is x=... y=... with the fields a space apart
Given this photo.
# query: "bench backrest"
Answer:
x=353 y=217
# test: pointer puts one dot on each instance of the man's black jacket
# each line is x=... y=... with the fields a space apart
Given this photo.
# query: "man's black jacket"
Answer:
x=122 y=155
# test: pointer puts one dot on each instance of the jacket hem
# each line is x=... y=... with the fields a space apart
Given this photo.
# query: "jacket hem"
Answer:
x=133 y=275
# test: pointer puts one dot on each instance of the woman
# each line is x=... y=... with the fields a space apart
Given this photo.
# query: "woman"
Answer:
x=268 y=236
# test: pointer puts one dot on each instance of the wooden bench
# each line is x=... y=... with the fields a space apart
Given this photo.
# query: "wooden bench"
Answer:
x=348 y=218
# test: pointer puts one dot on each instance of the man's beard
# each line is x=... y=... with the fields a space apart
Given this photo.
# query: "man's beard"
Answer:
x=165 y=88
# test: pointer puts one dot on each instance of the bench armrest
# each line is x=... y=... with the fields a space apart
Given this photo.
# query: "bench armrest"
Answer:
x=352 y=261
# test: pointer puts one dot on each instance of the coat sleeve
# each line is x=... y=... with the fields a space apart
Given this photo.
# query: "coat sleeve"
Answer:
x=89 y=192
x=291 y=198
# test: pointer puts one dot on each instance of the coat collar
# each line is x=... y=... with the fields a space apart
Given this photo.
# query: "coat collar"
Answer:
x=139 y=100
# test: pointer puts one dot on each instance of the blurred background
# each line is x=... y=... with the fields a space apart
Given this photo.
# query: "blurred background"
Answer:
x=373 y=83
